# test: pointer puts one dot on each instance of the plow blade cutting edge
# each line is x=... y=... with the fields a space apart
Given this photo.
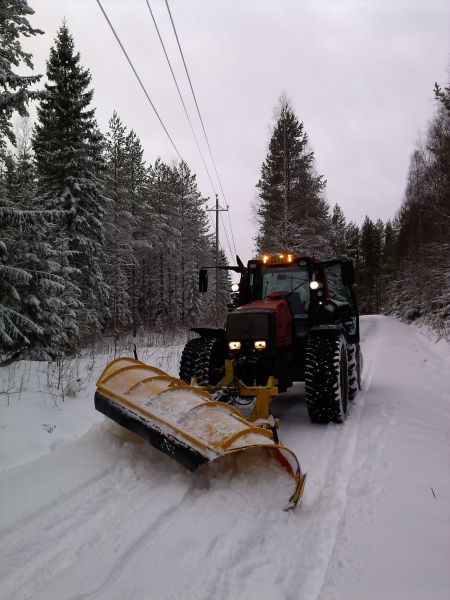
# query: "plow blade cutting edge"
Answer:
x=183 y=421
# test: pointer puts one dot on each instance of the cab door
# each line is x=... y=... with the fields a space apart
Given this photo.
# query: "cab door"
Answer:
x=343 y=297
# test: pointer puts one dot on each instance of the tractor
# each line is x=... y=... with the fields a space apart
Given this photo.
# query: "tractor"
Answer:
x=291 y=319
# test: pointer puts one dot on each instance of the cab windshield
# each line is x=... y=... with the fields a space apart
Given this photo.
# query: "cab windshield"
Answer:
x=293 y=279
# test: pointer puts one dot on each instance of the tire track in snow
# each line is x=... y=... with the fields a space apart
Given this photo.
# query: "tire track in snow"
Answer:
x=36 y=515
x=305 y=539
x=139 y=537
x=36 y=550
x=333 y=499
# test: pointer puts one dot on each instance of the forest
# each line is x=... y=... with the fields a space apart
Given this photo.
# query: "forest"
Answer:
x=95 y=241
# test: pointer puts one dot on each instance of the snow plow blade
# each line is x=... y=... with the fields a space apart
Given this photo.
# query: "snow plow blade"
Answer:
x=183 y=421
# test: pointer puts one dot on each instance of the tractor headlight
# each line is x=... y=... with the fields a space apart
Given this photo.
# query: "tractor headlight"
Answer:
x=260 y=345
x=235 y=287
x=315 y=285
x=234 y=345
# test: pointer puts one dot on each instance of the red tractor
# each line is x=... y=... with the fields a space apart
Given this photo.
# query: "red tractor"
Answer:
x=292 y=318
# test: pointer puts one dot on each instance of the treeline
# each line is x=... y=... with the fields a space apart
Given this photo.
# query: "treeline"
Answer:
x=420 y=285
x=403 y=264
x=93 y=240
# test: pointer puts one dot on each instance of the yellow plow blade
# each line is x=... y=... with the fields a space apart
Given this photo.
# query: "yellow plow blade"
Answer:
x=183 y=421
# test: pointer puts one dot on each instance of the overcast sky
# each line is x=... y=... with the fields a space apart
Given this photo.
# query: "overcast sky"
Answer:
x=359 y=74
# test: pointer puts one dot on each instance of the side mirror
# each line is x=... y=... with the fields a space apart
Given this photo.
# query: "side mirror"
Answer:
x=203 y=280
x=348 y=273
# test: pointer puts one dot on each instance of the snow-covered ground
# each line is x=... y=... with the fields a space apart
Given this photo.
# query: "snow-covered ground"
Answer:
x=99 y=514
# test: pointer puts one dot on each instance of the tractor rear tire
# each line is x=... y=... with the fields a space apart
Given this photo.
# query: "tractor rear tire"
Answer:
x=354 y=370
x=204 y=359
x=326 y=378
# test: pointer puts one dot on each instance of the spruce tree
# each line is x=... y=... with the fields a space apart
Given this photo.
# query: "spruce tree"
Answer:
x=136 y=185
x=70 y=171
x=371 y=246
x=15 y=325
x=388 y=253
x=352 y=237
x=119 y=226
x=14 y=88
x=41 y=299
x=177 y=243
x=17 y=220
x=160 y=207
x=338 y=231
x=291 y=210
x=191 y=240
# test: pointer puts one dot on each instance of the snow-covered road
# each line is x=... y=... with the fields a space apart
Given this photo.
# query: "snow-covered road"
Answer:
x=108 y=517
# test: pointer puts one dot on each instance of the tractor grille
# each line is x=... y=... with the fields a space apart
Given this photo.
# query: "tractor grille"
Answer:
x=250 y=325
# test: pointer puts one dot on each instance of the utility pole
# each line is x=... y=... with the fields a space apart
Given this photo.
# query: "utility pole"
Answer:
x=217 y=210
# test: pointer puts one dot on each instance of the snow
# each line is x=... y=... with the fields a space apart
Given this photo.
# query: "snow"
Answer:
x=37 y=420
x=88 y=510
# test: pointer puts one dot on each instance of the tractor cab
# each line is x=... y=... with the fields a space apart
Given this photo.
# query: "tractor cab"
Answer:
x=290 y=280
x=317 y=292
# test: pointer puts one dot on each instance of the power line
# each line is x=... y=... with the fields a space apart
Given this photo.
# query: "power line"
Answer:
x=198 y=109
x=190 y=82
x=189 y=121
x=153 y=106
x=180 y=95
x=137 y=77
x=218 y=209
x=213 y=228
x=226 y=236
x=231 y=229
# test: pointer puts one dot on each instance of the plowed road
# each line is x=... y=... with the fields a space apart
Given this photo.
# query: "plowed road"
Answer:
x=108 y=517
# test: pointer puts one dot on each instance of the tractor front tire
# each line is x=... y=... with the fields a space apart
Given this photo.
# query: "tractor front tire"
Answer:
x=326 y=378
x=204 y=359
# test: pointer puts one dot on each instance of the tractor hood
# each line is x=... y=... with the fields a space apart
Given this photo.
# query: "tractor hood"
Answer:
x=269 y=320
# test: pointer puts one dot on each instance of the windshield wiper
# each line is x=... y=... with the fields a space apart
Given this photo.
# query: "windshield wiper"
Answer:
x=294 y=290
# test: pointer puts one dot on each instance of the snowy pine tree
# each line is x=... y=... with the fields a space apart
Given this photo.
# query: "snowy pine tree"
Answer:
x=70 y=167
x=118 y=227
x=191 y=250
x=352 y=242
x=371 y=248
x=14 y=88
x=20 y=224
x=338 y=231
x=176 y=243
x=292 y=212
x=157 y=221
x=42 y=298
x=136 y=185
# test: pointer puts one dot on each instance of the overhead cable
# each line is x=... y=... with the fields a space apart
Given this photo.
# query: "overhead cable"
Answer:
x=138 y=78
x=180 y=95
x=231 y=229
x=196 y=103
x=214 y=228
x=226 y=236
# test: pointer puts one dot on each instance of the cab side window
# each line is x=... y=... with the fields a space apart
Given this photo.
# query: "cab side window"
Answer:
x=338 y=291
